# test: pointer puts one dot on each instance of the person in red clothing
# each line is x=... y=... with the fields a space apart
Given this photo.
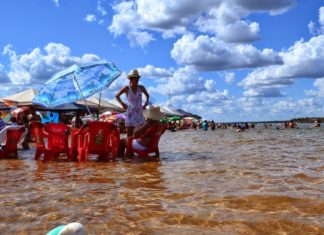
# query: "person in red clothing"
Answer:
x=143 y=134
x=152 y=124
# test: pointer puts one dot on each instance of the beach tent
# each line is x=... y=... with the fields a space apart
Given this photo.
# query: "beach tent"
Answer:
x=169 y=111
x=104 y=104
x=3 y=106
x=21 y=98
x=116 y=103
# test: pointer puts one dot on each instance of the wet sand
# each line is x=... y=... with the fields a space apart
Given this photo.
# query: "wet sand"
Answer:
x=263 y=181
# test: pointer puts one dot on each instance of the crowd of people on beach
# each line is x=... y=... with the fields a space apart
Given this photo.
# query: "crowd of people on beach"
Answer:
x=137 y=122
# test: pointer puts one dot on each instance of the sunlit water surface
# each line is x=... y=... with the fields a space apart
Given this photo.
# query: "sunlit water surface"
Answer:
x=263 y=181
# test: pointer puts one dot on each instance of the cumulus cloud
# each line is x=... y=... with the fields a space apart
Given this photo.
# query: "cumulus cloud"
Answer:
x=319 y=88
x=149 y=71
x=229 y=77
x=223 y=18
x=302 y=60
x=312 y=28
x=315 y=29
x=90 y=18
x=273 y=6
x=184 y=86
x=292 y=109
x=39 y=65
x=321 y=19
x=101 y=8
x=3 y=75
x=263 y=92
x=210 y=53
x=139 y=38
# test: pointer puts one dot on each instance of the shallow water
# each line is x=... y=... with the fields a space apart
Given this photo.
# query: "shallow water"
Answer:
x=263 y=181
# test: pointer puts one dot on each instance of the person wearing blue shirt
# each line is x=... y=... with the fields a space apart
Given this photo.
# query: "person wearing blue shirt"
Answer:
x=2 y=123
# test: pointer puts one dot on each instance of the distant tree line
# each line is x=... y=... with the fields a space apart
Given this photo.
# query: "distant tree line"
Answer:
x=308 y=119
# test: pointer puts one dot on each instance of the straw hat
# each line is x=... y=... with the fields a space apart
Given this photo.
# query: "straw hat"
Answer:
x=154 y=113
x=133 y=74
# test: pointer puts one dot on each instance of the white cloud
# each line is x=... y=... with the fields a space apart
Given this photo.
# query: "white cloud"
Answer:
x=263 y=92
x=321 y=19
x=150 y=71
x=210 y=53
x=313 y=28
x=38 y=65
x=319 y=85
x=229 y=77
x=273 y=6
x=186 y=87
x=101 y=8
x=292 y=108
x=225 y=23
x=3 y=76
x=183 y=81
x=220 y=17
x=321 y=16
x=123 y=23
x=139 y=38
x=90 y=18
x=302 y=60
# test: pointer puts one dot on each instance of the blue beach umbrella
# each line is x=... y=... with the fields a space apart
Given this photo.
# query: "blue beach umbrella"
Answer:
x=76 y=82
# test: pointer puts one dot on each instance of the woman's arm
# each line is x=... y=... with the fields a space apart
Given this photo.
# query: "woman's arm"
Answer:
x=147 y=97
x=122 y=91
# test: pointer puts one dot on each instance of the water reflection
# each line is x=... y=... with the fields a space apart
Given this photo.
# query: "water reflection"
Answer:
x=263 y=181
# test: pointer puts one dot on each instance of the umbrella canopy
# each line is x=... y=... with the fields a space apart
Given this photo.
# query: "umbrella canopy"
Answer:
x=175 y=118
x=164 y=120
x=76 y=82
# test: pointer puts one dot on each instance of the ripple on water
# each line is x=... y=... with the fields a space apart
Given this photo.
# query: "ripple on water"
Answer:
x=262 y=181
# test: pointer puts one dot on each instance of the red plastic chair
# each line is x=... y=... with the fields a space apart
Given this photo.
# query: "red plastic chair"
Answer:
x=39 y=135
x=153 y=147
x=12 y=139
x=99 y=138
x=57 y=140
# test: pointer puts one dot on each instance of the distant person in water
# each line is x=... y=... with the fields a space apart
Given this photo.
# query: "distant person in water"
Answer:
x=316 y=124
x=134 y=107
x=205 y=125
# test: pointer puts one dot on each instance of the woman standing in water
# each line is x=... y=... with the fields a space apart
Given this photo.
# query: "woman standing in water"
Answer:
x=134 y=116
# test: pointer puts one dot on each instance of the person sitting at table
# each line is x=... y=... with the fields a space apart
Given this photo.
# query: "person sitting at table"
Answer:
x=152 y=125
x=2 y=123
x=12 y=126
x=144 y=133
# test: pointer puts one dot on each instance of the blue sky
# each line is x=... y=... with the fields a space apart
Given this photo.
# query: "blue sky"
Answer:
x=226 y=60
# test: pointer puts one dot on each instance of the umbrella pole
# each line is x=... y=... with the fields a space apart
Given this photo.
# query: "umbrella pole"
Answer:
x=99 y=106
x=85 y=102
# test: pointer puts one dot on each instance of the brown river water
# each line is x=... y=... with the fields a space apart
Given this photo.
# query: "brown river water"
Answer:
x=262 y=181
